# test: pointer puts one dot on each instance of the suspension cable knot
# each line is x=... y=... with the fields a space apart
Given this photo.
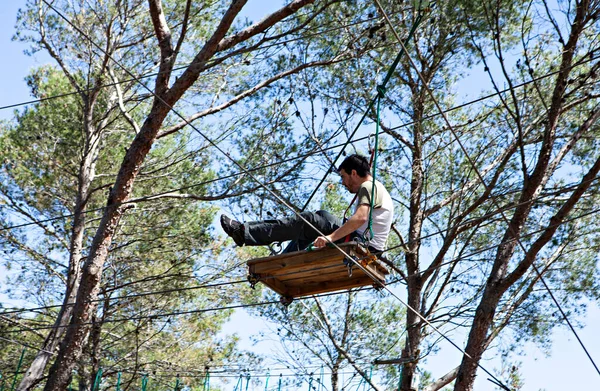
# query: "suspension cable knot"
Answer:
x=381 y=90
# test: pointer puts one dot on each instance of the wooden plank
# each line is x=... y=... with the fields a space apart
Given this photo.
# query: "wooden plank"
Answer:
x=381 y=267
x=373 y=270
x=275 y=258
x=300 y=261
x=331 y=278
x=315 y=271
x=310 y=265
x=324 y=287
x=328 y=278
x=291 y=259
x=323 y=270
x=276 y=285
x=297 y=261
x=324 y=267
x=326 y=270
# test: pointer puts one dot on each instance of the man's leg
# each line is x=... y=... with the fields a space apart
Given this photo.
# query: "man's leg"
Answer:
x=325 y=222
x=293 y=228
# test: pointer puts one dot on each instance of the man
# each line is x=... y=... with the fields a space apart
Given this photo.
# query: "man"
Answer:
x=356 y=177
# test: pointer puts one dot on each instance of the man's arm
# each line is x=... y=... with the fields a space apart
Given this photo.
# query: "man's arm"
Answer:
x=354 y=222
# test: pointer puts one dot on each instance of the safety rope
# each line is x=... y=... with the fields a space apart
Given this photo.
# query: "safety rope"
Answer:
x=97 y=381
x=386 y=79
x=206 y=384
x=239 y=384
x=118 y=387
x=144 y=382
x=380 y=95
x=247 y=381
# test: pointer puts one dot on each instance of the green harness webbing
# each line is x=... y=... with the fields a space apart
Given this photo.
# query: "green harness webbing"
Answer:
x=239 y=384
x=321 y=379
x=386 y=79
x=380 y=95
x=118 y=388
x=97 y=381
x=381 y=90
x=17 y=371
x=206 y=384
x=144 y=382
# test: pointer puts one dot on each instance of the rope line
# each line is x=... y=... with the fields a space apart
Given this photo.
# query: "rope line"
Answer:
x=188 y=312
x=186 y=65
x=463 y=257
x=314 y=152
x=369 y=107
x=456 y=259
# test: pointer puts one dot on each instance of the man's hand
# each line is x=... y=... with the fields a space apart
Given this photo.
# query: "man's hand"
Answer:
x=322 y=241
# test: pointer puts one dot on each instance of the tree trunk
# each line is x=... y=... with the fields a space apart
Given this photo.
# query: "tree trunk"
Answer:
x=410 y=352
x=496 y=284
x=477 y=337
x=83 y=384
x=335 y=376
x=87 y=168
x=94 y=349
x=85 y=306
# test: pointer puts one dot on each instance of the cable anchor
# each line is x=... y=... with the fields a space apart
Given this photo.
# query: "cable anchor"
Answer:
x=286 y=300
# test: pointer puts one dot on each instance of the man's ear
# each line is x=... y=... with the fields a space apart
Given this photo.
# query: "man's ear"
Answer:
x=354 y=173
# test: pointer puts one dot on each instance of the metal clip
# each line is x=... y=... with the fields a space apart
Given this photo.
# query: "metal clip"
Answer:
x=349 y=264
x=253 y=279
x=286 y=300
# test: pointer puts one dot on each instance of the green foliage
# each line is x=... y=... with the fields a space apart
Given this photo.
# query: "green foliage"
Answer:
x=334 y=201
x=162 y=245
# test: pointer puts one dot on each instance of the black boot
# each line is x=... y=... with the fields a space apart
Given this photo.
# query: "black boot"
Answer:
x=233 y=228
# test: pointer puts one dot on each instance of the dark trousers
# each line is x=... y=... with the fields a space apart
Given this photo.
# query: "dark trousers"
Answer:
x=293 y=228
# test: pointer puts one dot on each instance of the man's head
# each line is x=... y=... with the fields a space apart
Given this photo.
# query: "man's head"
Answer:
x=354 y=170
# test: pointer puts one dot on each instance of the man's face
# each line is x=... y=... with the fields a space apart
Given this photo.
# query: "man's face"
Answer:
x=350 y=180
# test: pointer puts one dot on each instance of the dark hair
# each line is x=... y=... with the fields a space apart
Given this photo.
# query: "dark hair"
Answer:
x=356 y=162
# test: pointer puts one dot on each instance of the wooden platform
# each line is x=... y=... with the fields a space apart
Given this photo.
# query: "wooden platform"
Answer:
x=305 y=273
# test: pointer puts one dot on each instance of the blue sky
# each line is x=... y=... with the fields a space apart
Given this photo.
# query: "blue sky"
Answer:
x=567 y=369
x=15 y=65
